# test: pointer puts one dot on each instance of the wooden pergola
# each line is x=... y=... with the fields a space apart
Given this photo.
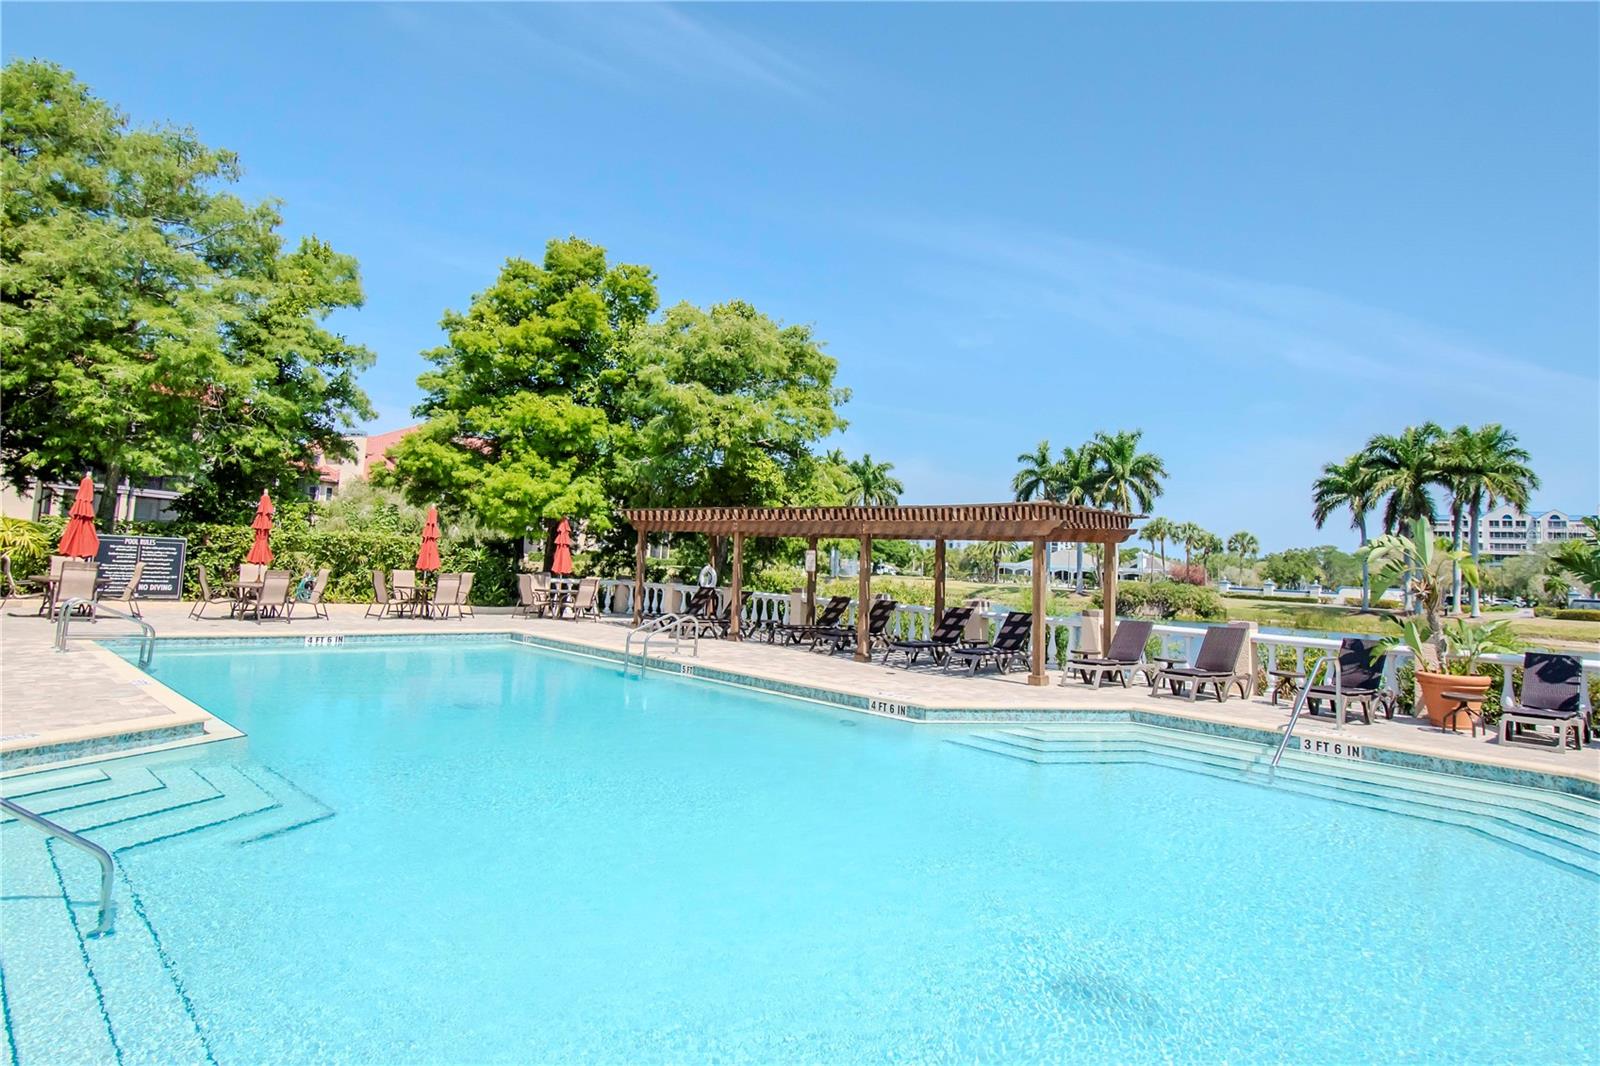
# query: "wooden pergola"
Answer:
x=1039 y=523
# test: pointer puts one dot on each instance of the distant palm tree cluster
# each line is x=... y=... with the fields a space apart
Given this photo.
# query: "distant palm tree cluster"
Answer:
x=1402 y=473
x=1108 y=470
x=1196 y=540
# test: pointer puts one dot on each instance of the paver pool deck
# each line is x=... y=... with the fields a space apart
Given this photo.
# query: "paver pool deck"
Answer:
x=50 y=698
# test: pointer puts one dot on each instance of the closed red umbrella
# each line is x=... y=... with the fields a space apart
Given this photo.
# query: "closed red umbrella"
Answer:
x=428 y=557
x=561 y=563
x=78 y=540
x=261 y=551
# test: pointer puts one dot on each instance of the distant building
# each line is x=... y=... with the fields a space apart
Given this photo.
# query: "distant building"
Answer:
x=372 y=452
x=1505 y=531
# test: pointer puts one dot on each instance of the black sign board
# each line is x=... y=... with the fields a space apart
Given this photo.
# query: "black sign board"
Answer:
x=162 y=576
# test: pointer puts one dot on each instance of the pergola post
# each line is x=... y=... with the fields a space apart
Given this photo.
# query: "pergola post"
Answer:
x=735 y=587
x=1108 y=591
x=638 y=579
x=1036 y=674
x=938 y=582
x=811 y=583
x=863 y=600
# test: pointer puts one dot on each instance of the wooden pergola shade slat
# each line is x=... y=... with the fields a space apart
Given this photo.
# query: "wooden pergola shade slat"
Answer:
x=1038 y=522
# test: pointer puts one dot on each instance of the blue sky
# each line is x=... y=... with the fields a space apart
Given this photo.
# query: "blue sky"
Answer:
x=1259 y=233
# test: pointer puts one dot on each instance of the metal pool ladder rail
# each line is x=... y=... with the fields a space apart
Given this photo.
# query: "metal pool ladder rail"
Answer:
x=677 y=626
x=147 y=632
x=1320 y=670
x=108 y=909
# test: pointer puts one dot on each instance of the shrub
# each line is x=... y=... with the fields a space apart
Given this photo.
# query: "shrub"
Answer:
x=1568 y=614
x=27 y=543
x=1193 y=574
x=1169 y=600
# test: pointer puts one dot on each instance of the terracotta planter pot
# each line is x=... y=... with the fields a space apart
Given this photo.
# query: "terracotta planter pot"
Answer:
x=1435 y=706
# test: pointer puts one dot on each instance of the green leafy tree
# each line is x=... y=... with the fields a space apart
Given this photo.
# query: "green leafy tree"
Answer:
x=1290 y=568
x=523 y=426
x=1350 y=484
x=151 y=323
x=873 y=484
x=1125 y=477
x=1483 y=467
x=1244 y=545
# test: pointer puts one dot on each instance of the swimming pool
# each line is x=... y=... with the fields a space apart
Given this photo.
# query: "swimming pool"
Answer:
x=474 y=850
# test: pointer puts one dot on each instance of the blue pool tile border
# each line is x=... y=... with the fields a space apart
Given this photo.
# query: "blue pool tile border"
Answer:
x=1480 y=771
x=23 y=758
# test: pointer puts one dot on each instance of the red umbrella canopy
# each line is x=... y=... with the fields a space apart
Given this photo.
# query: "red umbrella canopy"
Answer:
x=78 y=540
x=561 y=563
x=260 y=550
x=428 y=557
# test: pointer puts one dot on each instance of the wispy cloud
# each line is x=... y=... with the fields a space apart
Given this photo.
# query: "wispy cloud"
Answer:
x=627 y=44
x=1229 y=319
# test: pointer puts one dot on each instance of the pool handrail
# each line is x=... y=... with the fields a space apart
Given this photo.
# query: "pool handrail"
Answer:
x=674 y=625
x=108 y=908
x=147 y=632
x=1319 y=670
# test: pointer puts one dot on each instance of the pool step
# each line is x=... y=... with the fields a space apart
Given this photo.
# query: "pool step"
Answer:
x=54 y=803
x=1561 y=829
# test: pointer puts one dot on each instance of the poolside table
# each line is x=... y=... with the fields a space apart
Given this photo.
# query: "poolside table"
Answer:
x=242 y=592
x=1463 y=705
x=1284 y=682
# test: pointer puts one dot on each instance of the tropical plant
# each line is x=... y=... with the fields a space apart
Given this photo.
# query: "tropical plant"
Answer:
x=1187 y=534
x=1347 y=484
x=1406 y=468
x=1580 y=559
x=1484 y=467
x=1157 y=531
x=1244 y=545
x=1468 y=642
x=1124 y=476
x=1427 y=562
x=1039 y=477
x=25 y=543
x=872 y=483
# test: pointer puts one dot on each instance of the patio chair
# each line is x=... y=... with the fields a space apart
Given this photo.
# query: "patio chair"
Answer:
x=1358 y=679
x=276 y=598
x=1216 y=664
x=1551 y=695
x=1122 y=658
x=842 y=636
x=252 y=571
x=445 y=594
x=13 y=590
x=128 y=595
x=314 y=601
x=585 y=602
x=383 y=603
x=702 y=606
x=1010 y=642
x=207 y=596
x=794 y=632
x=76 y=582
x=946 y=635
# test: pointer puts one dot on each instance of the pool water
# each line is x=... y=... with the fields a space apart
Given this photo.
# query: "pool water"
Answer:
x=532 y=858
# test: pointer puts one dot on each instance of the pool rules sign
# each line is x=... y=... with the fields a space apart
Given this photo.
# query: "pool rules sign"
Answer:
x=163 y=557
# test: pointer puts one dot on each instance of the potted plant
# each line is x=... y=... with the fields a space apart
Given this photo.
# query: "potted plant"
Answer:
x=1428 y=563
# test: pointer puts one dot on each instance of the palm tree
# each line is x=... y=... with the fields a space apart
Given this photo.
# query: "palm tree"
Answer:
x=1039 y=477
x=1187 y=534
x=1076 y=480
x=1486 y=466
x=1244 y=545
x=1347 y=484
x=1125 y=476
x=872 y=485
x=1406 y=468
x=1158 y=531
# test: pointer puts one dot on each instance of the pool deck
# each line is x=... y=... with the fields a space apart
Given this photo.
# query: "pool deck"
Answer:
x=49 y=699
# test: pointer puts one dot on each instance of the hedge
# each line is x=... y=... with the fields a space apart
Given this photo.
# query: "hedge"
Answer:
x=1169 y=600
x=1568 y=614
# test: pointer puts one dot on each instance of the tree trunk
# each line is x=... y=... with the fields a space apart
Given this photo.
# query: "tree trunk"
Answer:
x=1163 y=557
x=549 y=543
x=1366 y=564
x=1476 y=507
x=105 y=508
x=1455 y=567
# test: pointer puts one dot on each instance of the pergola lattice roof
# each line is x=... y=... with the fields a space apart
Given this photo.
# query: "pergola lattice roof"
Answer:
x=967 y=521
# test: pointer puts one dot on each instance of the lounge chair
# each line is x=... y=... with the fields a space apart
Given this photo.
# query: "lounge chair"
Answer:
x=1010 y=642
x=318 y=587
x=1216 y=664
x=722 y=624
x=946 y=635
x=585 y=601
x=445 y=594
x=76 y=582
x=13 y=590
x=1552 y=687
x=382 y=602
x=207 y=596
x=1122 y=659
x=794 y=632
x=128 y=595
x=276 y=597
x=464 y=600
x=842 y=636
x=1358 y=680
x=702 y=607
